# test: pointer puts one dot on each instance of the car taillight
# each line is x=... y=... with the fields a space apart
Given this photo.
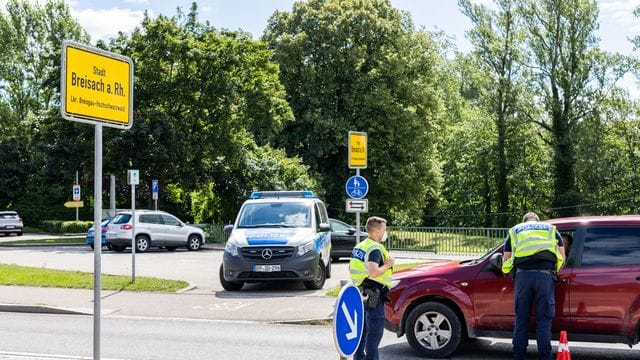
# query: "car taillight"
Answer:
x=126 y=227
x=20 y=219
x=104 y=229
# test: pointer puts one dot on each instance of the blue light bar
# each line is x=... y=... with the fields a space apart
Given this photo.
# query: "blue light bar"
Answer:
x=282 y=194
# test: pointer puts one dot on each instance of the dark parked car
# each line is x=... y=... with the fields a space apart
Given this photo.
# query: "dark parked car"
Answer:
x=10 y=223
x=343 y=239
x=441 y=304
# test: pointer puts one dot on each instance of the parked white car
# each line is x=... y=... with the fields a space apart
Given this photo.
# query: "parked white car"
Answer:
x=10 y=223
x=153 y=229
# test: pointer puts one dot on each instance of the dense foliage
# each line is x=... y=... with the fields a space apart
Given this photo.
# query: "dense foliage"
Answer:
x=533 y=118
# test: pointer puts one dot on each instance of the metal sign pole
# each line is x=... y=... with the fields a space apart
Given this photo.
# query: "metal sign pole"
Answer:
x=74 y=199
x=133 y=233
x=97 y=249
x=358 y=218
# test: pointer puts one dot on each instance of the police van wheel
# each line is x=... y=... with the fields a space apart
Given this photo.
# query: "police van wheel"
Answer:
x=318 y=282
x=229 y=285
x=433 y=329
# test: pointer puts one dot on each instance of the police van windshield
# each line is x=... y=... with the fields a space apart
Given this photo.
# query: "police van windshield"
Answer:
x=275 y=214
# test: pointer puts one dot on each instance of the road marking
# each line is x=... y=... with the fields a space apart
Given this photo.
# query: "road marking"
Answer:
x=33 y=356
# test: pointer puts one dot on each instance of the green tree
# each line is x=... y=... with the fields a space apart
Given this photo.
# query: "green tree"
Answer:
x=572 y=77
x=361 y=65
x=206 y=102
x=497 y=37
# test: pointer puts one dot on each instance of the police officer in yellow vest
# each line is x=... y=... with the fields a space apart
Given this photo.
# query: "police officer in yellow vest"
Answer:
x=370 y=269
x=533 y=252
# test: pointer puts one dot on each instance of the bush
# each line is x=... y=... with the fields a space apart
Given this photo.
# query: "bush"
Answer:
x=62 y=227
x=75 y=226
x=51 y=226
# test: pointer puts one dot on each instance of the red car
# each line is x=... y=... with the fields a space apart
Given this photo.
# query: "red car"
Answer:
x=440 y=304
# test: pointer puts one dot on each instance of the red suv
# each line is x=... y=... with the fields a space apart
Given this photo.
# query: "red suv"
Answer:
x=440 y=304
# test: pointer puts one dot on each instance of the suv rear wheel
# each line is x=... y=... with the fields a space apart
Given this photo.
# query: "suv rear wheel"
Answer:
x=433 y=329
x=319 y=280
x=194 y=242
x=142 y=243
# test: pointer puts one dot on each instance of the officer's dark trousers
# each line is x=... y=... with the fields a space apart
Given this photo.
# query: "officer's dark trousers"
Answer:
x=533 y=287
x=371 y=333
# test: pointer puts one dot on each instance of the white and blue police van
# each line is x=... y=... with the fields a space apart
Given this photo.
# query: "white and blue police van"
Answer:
x=278 y=235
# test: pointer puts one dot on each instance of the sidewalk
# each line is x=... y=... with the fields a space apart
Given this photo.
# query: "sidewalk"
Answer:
x=245 y=306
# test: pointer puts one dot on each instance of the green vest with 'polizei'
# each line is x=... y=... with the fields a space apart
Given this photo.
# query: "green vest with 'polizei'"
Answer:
x=530 y=238
x=358 y=263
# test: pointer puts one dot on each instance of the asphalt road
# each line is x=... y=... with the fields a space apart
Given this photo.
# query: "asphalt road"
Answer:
x=200 y=268
x=70 y=337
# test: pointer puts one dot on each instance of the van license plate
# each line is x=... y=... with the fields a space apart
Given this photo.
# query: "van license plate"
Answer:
x=10 y=226
x=266 y=268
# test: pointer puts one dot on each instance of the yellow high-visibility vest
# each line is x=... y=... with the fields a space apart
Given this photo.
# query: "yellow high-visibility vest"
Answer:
x=530 y=238
x=358 y=263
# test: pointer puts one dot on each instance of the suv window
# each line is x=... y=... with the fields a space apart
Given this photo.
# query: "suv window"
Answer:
x=121 y=219
x=170 y=220
x=611 y=246
x=150 y=219
x=339 y=226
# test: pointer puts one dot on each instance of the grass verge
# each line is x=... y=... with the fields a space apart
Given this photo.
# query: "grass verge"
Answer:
x=65 y=240
x=333 y=292
x=42 y=277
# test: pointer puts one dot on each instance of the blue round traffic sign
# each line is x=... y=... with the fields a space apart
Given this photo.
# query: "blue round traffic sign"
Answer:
x=348 y=320
x=357 y=187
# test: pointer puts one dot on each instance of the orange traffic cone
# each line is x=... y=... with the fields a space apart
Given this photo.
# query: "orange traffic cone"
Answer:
x=563 y=347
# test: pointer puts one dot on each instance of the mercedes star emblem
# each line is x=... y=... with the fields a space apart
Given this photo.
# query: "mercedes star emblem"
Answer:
x=267 y=254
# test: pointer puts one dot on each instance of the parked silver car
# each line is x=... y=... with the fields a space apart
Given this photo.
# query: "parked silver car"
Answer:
x=153 y=229
x=10 y=223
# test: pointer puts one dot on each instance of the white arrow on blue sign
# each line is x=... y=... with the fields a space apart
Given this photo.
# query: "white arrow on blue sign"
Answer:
x=348 y=320
x=357 y=187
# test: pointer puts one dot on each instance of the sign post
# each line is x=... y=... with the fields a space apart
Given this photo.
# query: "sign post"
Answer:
x=133 y=177
x=357 y=160
x=76 y=193
x=348 y=321
x=96 y=87
x=154 y=193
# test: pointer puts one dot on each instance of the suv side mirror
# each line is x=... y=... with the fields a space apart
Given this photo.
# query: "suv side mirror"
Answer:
x=324 y=227
x=351 y=231
x=495 y=262
x=228 y=228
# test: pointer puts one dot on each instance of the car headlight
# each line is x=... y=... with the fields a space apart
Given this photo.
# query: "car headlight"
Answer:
x=395 y=283
x=231 y=249
x=303 y=249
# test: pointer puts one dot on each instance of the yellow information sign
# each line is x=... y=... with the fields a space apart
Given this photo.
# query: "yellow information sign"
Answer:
x=357 y=150
x=96 y=86
x=74 y=204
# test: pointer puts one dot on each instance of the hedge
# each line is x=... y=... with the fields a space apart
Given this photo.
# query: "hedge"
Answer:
x=65 y=227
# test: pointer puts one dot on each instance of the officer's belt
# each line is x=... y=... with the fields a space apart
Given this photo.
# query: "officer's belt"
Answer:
x=542 y=271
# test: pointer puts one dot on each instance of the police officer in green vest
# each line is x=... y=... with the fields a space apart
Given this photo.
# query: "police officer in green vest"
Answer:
x=370 y=269
x=533 y=252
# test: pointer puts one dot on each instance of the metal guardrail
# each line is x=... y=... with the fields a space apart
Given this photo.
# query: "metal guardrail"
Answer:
x=437 y=240
x=444 y=240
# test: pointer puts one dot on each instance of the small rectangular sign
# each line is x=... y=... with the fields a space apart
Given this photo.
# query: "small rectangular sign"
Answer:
x=96 y=86
x=357 y=150
x=133 y=177
x=76 y=192
x=357 y=206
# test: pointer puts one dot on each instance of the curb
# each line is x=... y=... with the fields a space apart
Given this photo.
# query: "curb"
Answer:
x=41 y=245
x=40 y=309
x=321 y=321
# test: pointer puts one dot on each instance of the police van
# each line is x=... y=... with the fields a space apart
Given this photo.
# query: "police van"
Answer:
x=278 y=235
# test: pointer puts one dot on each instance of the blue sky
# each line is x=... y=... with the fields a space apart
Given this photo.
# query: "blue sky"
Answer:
x=104 y=18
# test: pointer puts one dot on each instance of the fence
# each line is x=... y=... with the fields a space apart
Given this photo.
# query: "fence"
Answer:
x=438 y=240
x=442 y=240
